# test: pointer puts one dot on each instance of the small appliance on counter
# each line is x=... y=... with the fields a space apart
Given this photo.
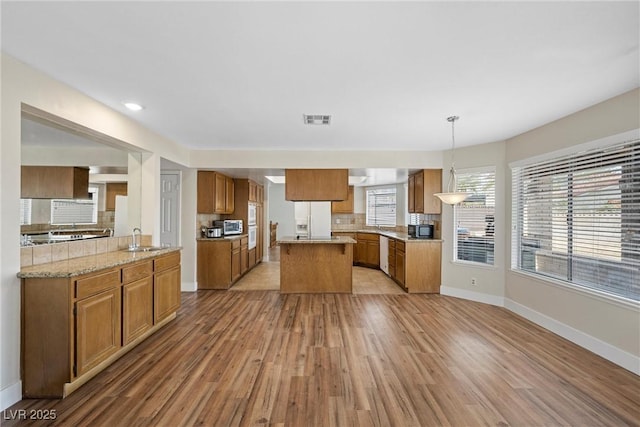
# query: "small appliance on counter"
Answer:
x=213 y=232
x=229 y=226
x=421 y=231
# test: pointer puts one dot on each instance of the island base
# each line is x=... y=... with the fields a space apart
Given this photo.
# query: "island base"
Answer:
x=316 y=268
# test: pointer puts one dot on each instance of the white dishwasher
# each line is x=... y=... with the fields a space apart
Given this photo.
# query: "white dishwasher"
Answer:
x=384 y=254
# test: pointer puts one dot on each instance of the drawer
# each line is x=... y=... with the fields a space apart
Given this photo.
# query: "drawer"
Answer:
x=369 y=236
x=96 y=283
x=166 y=261
x=400 y=246
x=137 y=271
x=235 y=244
x=244 y=241
x=392 y=245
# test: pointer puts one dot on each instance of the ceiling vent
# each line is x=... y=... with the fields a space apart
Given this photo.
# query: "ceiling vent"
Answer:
x=316 y=119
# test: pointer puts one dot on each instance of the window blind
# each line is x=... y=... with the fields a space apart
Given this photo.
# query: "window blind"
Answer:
x=25 y=211
x=577 y=219
x=75 y=211
x=475 y=217
x=381 y=207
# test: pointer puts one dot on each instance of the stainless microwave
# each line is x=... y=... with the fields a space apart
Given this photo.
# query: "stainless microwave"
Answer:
x=229 y=226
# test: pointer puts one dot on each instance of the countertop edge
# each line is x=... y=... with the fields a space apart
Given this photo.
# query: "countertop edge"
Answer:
x=391 y=234
x=293 y=241
x=47 y=270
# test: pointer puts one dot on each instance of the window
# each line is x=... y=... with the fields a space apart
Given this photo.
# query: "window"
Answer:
x=475 y=217
x=577 y=219
x=381 y=206
x=75 y=211
x=25 y=211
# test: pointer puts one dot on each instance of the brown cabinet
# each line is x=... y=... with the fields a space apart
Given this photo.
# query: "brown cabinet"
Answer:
x=215 y=193
x=114 y=189
x=137 y=300
x=316 y=184
x=253 y=192
x=344 y=206
x=97 y=329
x=367 y=250
x=72 y=328
x=422 y=187
x=137 y=309
x=399 y=276
x=166 y=286
x=244 y=255
x=220 y=262
x=54 y=182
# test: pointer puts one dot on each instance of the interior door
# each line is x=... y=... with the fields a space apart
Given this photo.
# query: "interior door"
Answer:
x=170 y=208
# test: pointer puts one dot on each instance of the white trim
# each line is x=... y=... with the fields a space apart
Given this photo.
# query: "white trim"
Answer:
x=188 y=286
x=613 y=354
x=474 y=264
x=472 y=296
x=576 y=149
x=10 y=395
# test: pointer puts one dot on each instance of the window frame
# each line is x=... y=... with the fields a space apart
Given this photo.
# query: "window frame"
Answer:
x=456 y=213
x=94 y=214
x=366 y=201
x=575 y=154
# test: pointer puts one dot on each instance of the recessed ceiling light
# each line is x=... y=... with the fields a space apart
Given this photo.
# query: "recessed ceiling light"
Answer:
x=133 y=106
x=317 y=119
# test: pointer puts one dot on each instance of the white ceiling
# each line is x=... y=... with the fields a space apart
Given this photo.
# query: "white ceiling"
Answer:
x=240 y=75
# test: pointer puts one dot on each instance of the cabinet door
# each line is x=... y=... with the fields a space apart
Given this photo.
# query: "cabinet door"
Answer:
x=400 y=267
x=432 y=185
x=244 y=259
x=412 y=194
x=236 y=265
x=344 y=206
x=114 y=189
x=373 y=253
x=229 y=195
x=220 y=195
x=97 y=329
x=360 y=256
x=137 y=309
x=253 y=191
x=166 y=293
x=419 y=192
x=206 y=188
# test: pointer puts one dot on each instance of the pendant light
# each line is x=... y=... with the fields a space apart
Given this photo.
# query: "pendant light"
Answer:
x=452 y=197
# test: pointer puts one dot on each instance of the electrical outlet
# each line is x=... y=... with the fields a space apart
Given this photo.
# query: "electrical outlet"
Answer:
x=474 y=282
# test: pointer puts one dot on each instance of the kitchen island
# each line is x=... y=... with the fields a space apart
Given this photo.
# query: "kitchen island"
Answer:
x=316 y=265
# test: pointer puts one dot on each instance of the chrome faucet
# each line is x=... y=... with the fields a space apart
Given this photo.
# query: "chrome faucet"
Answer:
x=108 y=230
x=133 y=238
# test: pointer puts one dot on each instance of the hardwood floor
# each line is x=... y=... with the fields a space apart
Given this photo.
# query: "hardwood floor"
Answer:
x=259 y=358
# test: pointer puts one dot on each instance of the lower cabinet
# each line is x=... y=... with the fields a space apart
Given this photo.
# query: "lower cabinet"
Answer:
x=137 y=309
x=166 y=286
x=72 y=328
x=97 y=329
x=367 y=250
x=221 y=262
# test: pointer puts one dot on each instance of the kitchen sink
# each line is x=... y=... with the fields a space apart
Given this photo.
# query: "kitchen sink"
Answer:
x=144 y=249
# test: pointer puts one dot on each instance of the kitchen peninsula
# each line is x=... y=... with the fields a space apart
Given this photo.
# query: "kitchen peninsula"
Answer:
x=316 y=265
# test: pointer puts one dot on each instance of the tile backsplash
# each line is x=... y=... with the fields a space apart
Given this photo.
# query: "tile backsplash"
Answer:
x=42 y=254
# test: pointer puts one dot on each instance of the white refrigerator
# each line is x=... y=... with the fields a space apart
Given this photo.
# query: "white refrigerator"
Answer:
x=313 y=219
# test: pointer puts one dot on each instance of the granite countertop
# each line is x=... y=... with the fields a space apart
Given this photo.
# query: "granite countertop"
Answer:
x=88 y=264
x=388 y=233
x=221 y=239
x=337 y=240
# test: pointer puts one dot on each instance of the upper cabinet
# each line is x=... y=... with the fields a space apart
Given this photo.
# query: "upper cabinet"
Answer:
x=422 y=187
x=345 y=206
x=215 y=193
x=316 y=184
x=114 y=189
x=54 y=182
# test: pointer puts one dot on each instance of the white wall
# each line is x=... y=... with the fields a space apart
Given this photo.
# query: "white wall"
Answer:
x=281 y=211
x=606 y=327
x=456 y=276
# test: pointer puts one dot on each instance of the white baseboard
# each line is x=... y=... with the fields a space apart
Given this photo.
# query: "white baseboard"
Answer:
x=613 y=354
x=472 y=296
x=189 y=286
x=10 y=395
